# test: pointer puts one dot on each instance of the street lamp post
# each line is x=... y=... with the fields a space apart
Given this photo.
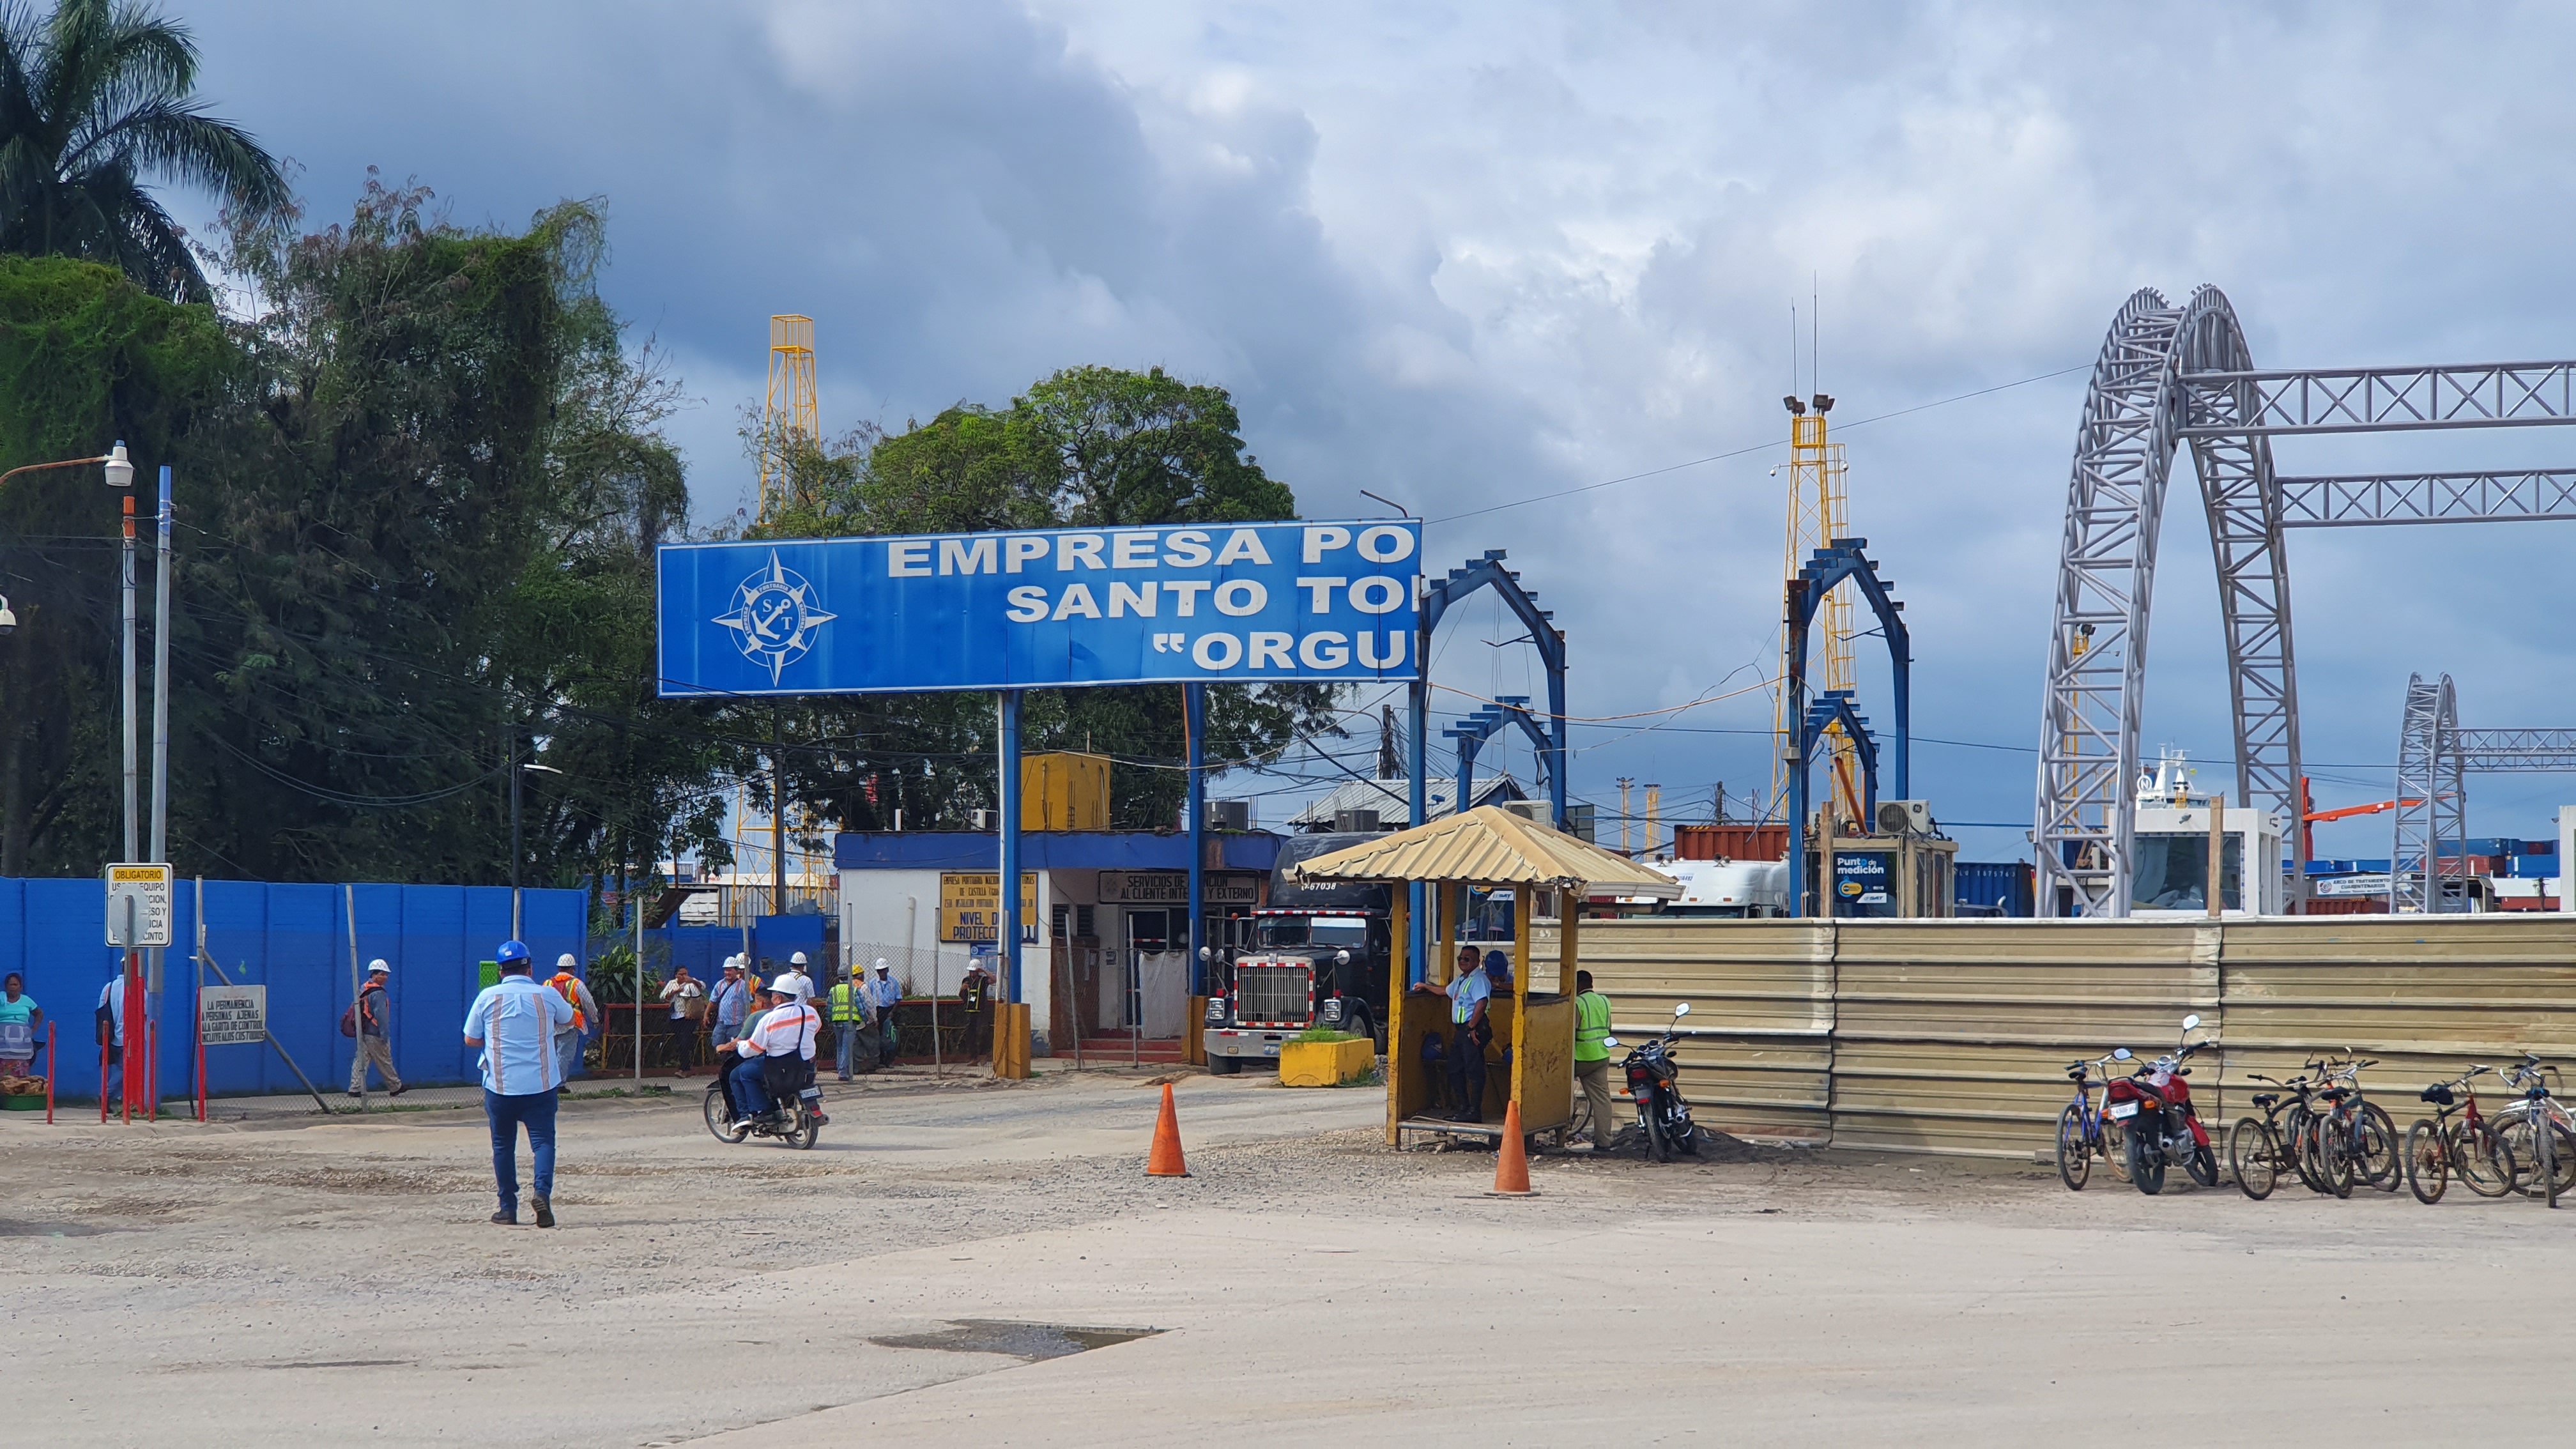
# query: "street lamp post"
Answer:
x=120 y=474
x=516 y=770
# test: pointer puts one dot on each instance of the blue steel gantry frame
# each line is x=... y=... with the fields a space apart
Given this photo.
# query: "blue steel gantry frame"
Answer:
x=1827 y=567
x=1472 y=732
x=1438 y=595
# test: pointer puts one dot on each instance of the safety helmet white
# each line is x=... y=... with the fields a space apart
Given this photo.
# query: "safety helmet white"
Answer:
x=789 y=984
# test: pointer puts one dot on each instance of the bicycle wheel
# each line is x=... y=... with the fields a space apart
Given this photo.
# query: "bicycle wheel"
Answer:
x=2249 y=1156
x=2074 y=1153
x=2146 y=1165
x=2558 y=1162
x=2428 y=1166
x=2482 y=1160
x=2378 y=1151
x=2333 y=1137
x=2291 y=1138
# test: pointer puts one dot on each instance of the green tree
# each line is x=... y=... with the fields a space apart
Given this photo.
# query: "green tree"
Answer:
x=94 y=99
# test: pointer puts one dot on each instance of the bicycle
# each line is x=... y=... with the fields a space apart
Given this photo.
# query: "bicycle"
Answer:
x=2257 y=1150
x=2371 y=1140
x=2551 y=1153
x=2456 y=1140
x=2082 y=1131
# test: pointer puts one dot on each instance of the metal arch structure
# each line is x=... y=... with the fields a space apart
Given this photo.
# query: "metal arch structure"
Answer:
x=1472 y=732
x=1825 y=569
x=2172 y=375
x=2432 y=799
x=2435 y=757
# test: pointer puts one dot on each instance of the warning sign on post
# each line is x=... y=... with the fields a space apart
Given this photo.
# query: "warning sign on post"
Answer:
x=970 y=905
x=232 y=1015
x=138 y=905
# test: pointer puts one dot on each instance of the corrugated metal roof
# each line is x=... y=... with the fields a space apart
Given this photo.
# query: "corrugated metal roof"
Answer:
x=1491 y=846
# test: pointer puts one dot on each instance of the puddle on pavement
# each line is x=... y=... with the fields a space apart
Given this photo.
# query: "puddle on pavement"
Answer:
x=10 y=1229
x=1032 y=1342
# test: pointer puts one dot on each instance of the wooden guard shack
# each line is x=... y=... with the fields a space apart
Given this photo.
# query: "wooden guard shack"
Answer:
x=1531 y=1058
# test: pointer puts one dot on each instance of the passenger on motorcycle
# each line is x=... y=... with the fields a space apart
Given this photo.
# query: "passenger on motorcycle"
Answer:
x=777 y=1055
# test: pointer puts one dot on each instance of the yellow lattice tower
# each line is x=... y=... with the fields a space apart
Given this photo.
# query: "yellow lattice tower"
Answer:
x=1816 y=515
x=792 y=411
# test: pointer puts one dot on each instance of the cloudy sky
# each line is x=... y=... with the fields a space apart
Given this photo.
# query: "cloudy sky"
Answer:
x=1464 y=255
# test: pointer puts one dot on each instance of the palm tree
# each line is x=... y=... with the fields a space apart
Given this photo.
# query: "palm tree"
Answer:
x=93 y=98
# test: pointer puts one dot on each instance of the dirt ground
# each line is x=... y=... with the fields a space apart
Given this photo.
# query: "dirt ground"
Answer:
x=986 y=1263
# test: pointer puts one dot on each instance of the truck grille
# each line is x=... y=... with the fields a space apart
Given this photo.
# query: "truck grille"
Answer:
x=1273 y=992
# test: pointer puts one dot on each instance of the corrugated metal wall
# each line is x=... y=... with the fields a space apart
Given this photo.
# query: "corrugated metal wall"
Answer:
x=1953 y=1036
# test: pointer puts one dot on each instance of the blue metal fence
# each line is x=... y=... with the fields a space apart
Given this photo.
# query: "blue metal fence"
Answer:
x=293 y=939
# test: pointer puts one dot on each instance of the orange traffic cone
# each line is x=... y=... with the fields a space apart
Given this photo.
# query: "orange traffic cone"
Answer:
x=1165 y=1159
x=1511 y=1171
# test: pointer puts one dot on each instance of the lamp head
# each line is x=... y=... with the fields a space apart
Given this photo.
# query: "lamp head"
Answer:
x=1823 y=403
x=120 y=469
x=1797 y=409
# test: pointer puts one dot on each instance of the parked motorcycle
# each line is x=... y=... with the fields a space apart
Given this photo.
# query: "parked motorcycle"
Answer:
x=2160 y=1125
x=798 y=1124
x=1654 y=1086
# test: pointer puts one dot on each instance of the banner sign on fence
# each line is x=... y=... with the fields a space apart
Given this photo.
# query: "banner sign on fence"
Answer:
x=970 y=905
x=1247 y=603
x=232 y=1015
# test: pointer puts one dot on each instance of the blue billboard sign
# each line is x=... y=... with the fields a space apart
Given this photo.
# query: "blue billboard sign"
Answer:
x=1238 y=603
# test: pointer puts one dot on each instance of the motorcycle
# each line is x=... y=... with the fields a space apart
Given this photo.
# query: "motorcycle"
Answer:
x=798 y=1125
x=1654 y=1086
x=2161 y=1126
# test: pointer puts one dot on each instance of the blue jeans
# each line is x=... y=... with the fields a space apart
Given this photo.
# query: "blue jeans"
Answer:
x=849 y=1034
x=744 y=1087
x=536 y=1110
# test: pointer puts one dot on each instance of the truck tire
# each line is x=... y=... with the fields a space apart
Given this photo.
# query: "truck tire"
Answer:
x=1224 y=1066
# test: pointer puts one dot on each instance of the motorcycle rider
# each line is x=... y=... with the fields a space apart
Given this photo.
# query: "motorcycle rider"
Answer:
x=778 y=1054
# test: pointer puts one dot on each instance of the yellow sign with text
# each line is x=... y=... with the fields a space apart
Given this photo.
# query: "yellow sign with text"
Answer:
x=970 y=905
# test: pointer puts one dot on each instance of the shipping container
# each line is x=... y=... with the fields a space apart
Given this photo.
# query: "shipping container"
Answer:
x=2534 y=867
x=1995 y=888
x=1731 y=842
x=2348 y=905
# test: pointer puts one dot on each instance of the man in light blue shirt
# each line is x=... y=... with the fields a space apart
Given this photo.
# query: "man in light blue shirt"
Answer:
x=884 y=992
x=514 y=1024
x=1469 y=1032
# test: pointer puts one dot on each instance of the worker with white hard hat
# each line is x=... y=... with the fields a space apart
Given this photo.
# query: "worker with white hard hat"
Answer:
x=883 y=994
x=728 y=1003
x=372 y=1017
x=585 y=1015
x=777 y=1054
x=796 y=970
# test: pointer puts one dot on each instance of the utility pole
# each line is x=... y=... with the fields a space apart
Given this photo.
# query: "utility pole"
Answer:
x=1624 y=781
x=160 y=719
x=777 y=809
x=510 y=743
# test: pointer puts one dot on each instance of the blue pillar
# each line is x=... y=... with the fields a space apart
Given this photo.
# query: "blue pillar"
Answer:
x=1007 y=944
x=1194 y=727
x=1417 y=804
x=1556 y=736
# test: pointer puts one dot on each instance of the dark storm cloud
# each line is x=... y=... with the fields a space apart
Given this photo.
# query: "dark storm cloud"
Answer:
x=1466 y=254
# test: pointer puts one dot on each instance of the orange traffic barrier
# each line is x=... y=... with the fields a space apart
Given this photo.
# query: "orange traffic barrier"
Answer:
x=1165 y=1159
x=1511 y=1172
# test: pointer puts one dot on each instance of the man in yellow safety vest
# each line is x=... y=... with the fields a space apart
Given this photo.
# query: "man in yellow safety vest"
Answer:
x=1592 y=1055
x=849 y=1003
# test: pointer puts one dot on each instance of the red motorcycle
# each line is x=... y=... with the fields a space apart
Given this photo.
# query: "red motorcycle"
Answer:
x=2160 y=1125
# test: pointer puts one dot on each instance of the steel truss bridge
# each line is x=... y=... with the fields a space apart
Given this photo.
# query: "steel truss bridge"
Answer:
x=2171 y=375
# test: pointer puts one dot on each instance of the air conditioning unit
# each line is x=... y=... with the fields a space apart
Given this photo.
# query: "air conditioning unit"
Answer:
x=1903 y=817
x=984 y=819
x=1355 y=822
x=1533 y=810
x=1229 y=814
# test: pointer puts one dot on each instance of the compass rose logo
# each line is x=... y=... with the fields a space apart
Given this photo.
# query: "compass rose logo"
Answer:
x=775 y=617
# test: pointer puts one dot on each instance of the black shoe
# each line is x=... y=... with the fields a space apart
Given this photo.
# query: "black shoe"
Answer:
x=348 y=1094
x=507 y=1216
x=545 y=1212
x=398 y=1091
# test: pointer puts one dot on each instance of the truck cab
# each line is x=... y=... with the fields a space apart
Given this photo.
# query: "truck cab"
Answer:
x=1316 y=955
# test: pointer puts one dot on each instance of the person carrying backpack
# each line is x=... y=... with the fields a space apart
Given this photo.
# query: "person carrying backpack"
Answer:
x=368 y=1022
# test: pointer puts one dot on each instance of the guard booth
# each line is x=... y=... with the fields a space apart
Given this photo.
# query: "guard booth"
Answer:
x=1549 y=873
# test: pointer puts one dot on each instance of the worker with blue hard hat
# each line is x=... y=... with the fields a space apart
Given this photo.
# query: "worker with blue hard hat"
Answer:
x=513 y=1024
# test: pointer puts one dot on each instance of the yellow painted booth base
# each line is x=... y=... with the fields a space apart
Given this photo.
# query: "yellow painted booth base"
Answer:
x=1325 y=1063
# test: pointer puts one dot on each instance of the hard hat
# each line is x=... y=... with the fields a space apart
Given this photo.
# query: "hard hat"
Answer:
x=378 y=964
x=881 y=964
x=511 y=951
x=788 y=984
x=565 y=962
x=733 y=963
x=796 y=960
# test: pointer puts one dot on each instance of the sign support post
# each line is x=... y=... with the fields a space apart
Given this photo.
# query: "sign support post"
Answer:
x=1006 y=941
x=1194 y=755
